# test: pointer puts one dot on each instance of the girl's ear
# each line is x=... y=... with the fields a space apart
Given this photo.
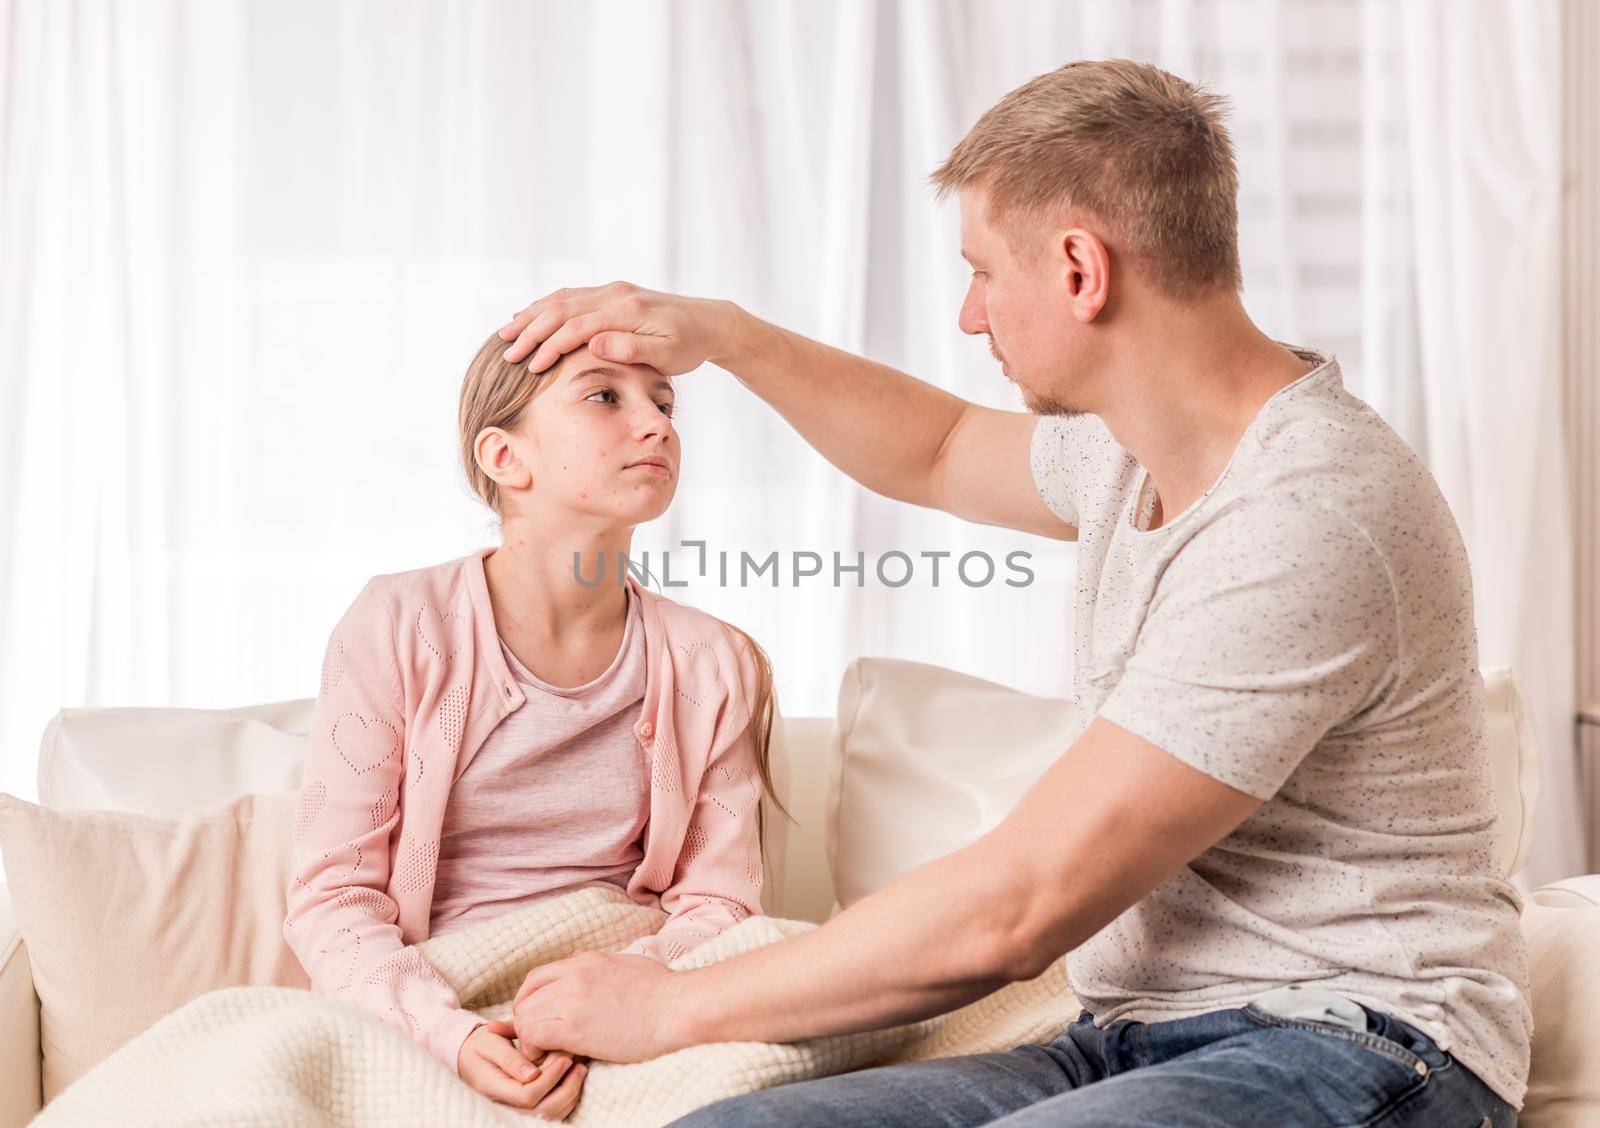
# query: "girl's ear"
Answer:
x=499 y=459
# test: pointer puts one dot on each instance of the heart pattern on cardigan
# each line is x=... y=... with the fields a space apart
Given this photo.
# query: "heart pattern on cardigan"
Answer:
x=453 y=716
x=370 y=901
x=383 y=806
x=699 y=674
x=745 y=799
x=313 y=797
x=333 y=666
x=345 y=948
x=443 y=632
x=416 y=864
x=364 y=743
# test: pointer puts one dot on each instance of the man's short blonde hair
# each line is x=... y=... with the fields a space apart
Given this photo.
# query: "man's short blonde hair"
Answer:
x=1141 y=150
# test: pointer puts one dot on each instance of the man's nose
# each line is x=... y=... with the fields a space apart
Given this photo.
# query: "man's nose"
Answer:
x=973 y=319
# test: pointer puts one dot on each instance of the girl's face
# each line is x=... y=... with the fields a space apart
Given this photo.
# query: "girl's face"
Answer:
x=598 y=440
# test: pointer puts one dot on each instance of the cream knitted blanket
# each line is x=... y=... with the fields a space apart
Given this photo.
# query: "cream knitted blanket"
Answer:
x=272 y=1055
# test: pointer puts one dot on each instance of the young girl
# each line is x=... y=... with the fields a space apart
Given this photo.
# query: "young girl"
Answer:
x=500 y=727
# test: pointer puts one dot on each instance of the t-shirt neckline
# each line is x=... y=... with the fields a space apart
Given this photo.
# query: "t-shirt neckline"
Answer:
x=528 y=677
x=1139 y=508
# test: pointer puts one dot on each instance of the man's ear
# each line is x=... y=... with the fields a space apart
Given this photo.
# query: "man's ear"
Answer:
x=1087 y=267
x=498 y=459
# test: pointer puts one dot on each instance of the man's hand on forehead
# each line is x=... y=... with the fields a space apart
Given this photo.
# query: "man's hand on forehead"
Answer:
x=620 y=323
x=556 y=324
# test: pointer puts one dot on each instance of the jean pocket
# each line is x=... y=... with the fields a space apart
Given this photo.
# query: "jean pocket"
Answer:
x=1374 y=1042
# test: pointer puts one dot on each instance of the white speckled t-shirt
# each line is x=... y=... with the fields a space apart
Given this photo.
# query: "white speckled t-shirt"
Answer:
x=1303 y=632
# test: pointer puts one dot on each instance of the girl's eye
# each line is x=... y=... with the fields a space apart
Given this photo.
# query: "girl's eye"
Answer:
x=666 y=409
x=604 y=392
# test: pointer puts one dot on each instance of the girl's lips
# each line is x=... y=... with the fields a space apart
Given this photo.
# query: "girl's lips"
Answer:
x=652 y=467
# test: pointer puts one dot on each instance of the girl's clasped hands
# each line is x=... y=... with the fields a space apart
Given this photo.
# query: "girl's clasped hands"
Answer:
x=548 y=1086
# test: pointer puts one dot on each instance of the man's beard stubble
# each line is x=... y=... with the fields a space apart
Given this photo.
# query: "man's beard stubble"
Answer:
x=1038 y=404
x=1045 y=405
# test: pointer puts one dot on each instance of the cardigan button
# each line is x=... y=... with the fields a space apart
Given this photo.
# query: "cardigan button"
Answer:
x=647 y=730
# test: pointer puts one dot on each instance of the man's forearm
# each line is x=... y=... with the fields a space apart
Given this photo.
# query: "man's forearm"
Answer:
x=880 y=426
x=997 y=911
x=940 y=937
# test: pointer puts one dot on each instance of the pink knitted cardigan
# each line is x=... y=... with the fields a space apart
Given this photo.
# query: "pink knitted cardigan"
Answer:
x=412 y=682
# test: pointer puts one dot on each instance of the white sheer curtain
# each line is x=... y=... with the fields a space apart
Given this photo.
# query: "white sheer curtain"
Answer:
x=1463 y=337
x=249 y=248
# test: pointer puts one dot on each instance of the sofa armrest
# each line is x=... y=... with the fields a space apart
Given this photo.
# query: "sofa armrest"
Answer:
x=21 y=1094
x=1571 y=893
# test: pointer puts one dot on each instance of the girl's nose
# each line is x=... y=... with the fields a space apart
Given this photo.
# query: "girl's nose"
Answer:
x=651 y=422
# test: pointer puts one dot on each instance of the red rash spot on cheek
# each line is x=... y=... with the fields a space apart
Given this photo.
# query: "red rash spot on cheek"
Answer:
x=583 y=495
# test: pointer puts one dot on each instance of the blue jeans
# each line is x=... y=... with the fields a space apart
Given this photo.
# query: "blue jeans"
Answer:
x=1226 y=1069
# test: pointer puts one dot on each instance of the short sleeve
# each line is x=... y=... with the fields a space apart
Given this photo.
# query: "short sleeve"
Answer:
x=1271 y=627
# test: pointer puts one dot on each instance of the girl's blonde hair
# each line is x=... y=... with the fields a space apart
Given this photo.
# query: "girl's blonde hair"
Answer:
x=496 y=393
x=761 y=715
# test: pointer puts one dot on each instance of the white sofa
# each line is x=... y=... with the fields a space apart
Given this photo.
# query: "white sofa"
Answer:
x=919 y=761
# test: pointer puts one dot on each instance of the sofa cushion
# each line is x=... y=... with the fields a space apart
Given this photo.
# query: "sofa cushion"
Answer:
x=1514 y=755
x=160 y=761
x=127 y=917
x=925 y=761
x=1564 y=1085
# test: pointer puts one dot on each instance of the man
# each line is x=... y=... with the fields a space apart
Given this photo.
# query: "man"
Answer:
x=1271 y=852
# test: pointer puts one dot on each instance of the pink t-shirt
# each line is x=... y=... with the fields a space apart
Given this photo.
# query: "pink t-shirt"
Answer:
x=558 y=796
